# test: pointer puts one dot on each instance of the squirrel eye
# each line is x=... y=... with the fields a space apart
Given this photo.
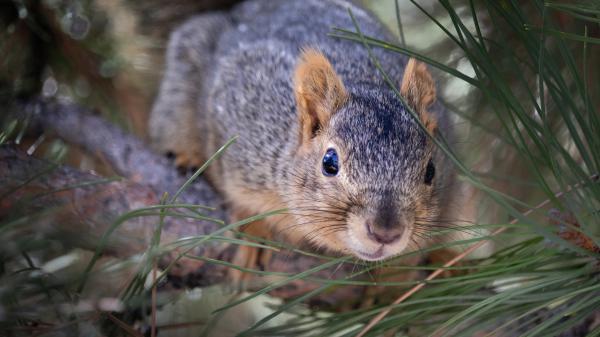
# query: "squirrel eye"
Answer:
x=429 y=172
x=330 y=163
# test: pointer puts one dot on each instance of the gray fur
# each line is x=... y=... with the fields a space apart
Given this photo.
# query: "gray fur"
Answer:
x=242 y=86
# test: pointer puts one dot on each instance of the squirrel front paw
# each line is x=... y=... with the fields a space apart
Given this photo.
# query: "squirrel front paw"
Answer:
x=249 y=258
x=246 y=258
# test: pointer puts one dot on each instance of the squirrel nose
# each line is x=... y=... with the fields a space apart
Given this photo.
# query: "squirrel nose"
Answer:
x=383 y=235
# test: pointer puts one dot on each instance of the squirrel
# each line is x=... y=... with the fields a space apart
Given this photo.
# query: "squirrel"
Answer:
x=320 y=133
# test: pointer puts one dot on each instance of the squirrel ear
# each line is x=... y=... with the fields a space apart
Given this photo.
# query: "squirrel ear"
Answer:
x=319 y=92
x=418 y=89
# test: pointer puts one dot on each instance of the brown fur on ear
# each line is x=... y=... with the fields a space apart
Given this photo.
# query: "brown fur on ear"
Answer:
x=319 y=92
x=418 y=89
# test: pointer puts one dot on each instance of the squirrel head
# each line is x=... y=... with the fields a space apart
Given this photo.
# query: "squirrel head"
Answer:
x=363 y=179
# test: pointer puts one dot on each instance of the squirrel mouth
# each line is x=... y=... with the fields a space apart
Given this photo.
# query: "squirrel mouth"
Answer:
x=377 y=255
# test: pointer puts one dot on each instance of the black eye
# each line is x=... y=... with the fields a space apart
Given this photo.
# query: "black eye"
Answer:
x=429 y=173
x=330 y=163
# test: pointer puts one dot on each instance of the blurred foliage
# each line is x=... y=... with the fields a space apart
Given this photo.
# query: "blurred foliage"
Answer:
x=56 y=47
x=102 y=53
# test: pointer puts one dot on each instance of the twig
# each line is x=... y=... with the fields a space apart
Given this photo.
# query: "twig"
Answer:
x=129 y=330
x=153 y=323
